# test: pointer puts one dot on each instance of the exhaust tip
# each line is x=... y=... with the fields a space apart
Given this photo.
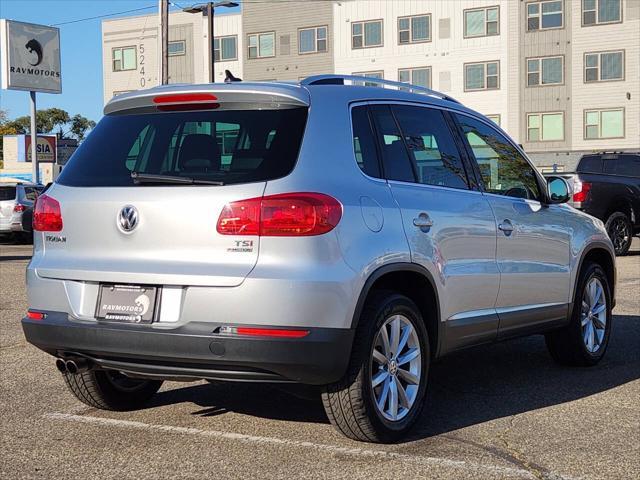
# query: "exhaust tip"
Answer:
x=61 y=365
x=71 y=367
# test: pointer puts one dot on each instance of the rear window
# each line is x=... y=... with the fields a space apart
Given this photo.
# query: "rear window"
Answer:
x=228 y=146
x=625 y=165
x=7 y=193
x=590 y=164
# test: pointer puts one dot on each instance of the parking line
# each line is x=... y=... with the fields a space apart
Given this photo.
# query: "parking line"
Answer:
x=333 y=449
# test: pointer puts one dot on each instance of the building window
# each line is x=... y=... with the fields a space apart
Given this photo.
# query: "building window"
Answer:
x=312 y=40
x=262 y=45
x=482 y=76
x=414 y=29
x=604 y=124
x=123 y=58
x=544 y=15
x=598 y=12
x=603 y=66
x=377 y=74
x=366 y=34
x=495 y=118
x=545 y=71
x=416 y=76
x=225 y=48
x=545 y=127
x=482 y=22
x=177 y=48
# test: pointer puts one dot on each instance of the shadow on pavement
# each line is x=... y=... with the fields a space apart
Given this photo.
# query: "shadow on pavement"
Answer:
x=468 y=388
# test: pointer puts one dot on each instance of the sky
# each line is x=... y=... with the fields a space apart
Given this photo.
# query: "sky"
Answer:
x=81 y=50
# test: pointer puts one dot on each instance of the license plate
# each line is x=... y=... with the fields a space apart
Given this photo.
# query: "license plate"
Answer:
x=127 y=303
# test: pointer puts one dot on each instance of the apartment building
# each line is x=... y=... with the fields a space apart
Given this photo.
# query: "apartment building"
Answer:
x=561 y=76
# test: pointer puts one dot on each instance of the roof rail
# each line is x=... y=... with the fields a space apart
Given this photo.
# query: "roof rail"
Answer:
x=337 y=79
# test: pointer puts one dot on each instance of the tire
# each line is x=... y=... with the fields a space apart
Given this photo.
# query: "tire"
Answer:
x=111 y=390
x=619 y=229
x=570 y=345
x=350 y=403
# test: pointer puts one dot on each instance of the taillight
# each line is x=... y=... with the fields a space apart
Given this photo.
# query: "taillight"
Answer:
x=186 y=101
x=47 y=216
x=33 y=315
x=282 y=215
x=582 y=191
x=19 y=208
x=264 y=332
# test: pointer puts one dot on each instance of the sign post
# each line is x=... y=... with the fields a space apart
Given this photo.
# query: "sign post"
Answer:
x=30 y=56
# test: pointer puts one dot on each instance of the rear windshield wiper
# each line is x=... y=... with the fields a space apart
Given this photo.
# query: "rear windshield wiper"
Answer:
x=139 y=178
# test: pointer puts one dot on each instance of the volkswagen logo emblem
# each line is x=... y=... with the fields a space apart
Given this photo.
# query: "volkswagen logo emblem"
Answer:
x=128 y=218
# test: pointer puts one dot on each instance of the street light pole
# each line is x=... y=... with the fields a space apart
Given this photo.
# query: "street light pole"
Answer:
x=209 y=9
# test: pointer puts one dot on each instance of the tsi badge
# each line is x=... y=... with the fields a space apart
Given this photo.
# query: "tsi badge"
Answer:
x=128 y=218
x=241 y=246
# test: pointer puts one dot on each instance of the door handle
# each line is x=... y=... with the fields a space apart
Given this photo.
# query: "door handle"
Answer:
x=506 y=227
x=423 y=222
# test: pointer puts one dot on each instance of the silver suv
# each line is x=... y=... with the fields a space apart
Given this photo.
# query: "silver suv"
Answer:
x=16 y=208
x=329 y=232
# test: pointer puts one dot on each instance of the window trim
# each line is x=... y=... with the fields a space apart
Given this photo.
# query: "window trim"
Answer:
x=184 y=49
x=363 y=22
x=326 y=39
x=541 y=114
x=598 y=23
x=409 y=17
x=476 y=9
x=220 y=49
x=540 y=28
x=126 y=47
x=540 y=84
x=411 y=69
x=257 y=34
x=600 y=110
x=485 y=88
x=599 y=53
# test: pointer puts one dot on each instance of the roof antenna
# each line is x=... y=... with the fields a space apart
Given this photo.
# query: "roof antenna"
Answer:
x=229 y=78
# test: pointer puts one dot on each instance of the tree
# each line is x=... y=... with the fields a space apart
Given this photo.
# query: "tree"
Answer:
x=46 y=121
x=80 y=125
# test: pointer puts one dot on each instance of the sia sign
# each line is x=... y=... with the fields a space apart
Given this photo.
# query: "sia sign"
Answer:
x=45 y=148
x=30 y=57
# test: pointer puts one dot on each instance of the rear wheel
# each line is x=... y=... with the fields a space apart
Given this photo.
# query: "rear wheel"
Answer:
x=111 y=390
x=382 y=393
x=619 y=229
x=584 y=341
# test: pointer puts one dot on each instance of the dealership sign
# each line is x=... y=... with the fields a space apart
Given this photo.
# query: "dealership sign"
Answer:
x=46 y=148
x=30 y=57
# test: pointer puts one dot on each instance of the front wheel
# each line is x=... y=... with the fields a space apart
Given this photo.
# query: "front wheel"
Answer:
x=111 y=390
x=619 y=229
x=382 y=394
x=584 y=341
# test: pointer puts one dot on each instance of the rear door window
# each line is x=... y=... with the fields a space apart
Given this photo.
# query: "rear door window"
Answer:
x=431 y=146
x=232 y=147
x=395 y=159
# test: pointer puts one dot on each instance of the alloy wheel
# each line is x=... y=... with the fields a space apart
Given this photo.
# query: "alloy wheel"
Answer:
x=593 y=317
x=619 y=234
x=396 y=363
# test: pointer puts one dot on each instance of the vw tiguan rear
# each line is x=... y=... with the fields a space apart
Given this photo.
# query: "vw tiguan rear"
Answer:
x=324 y=233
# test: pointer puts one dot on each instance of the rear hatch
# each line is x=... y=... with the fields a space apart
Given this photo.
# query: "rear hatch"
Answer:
x=7 y=202
x=141 y=197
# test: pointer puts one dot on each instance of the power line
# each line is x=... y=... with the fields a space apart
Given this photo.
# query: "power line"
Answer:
x=103 y=16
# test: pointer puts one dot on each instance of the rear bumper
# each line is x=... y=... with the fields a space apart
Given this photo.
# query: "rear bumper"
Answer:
x=193 y=351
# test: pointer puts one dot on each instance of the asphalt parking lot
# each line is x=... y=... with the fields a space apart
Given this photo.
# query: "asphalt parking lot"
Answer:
x=503 y=411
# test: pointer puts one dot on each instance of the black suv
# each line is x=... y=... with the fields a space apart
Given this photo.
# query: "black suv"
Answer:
x=607 y=186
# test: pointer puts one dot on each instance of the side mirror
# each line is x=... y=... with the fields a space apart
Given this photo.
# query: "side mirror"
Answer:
x=558 y=190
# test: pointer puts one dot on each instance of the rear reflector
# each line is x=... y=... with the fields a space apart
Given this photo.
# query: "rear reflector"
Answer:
x=282 y=215
x=36 y=315
x=582 y=191
x=19 y=208
x=264 y=332
x=186 y=101
x=47 y=216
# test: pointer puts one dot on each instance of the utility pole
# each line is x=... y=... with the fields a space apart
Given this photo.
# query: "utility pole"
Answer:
x=34 y=141
x=163 y=7
x=212 y=72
